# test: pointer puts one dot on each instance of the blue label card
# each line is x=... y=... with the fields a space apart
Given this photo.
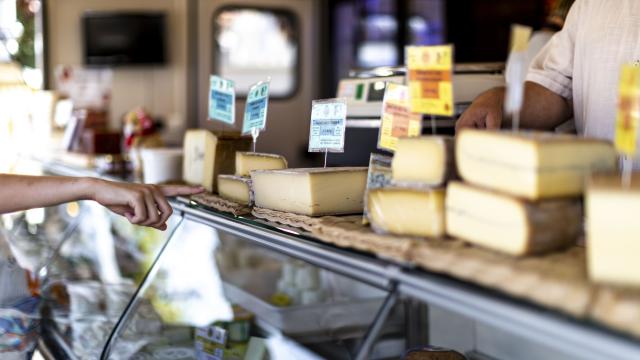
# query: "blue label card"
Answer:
x=255 y=111
x=222 y=100
x=328 y=123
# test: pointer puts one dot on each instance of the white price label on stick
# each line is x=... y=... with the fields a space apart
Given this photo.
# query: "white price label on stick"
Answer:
x=328 y=123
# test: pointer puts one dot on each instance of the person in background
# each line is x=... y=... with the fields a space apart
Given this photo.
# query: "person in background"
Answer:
x=144 y=205
x=575 y=75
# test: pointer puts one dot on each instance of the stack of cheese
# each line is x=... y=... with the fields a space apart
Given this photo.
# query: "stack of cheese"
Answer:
x=206 y=155
x=238 y=187
x=311 y=191
x=523 y=190
x=613 y=229
x=414 y=204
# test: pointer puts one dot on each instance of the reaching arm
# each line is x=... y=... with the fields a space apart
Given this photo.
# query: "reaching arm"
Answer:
x=542 y=109
x=141 y=204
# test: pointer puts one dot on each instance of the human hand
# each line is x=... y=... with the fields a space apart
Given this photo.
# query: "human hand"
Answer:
x=144 y=205
x=485 y=111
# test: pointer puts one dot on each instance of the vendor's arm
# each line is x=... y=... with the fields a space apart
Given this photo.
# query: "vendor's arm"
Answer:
x=542 y=109
x=548 y=90
x=140 y=204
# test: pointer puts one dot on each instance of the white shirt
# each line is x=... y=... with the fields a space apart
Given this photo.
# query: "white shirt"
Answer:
x=582 y=62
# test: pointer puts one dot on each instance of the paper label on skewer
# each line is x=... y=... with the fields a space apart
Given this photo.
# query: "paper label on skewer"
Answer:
x=397 y=119
x=255 y=111
x=628 y=114
x=328 y=124
x=222 y=100
x=429 y=77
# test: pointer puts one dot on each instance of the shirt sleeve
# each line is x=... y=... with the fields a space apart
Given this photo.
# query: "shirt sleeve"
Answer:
x=553 y=66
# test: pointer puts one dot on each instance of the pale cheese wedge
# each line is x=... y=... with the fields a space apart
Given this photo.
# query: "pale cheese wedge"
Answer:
x=508 y=224
x=613 y=230
x=206 y=155
x=407 y=211
x=311 y=191
x=424 y=160
x=249 y=161
x=533 y=165
x=235 y=188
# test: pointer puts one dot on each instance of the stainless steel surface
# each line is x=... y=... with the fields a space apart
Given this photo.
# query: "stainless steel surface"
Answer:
x=381 y=317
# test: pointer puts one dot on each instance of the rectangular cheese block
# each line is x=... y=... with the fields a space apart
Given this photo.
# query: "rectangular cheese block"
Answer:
x=407 y=211
x=613 y=230
x=235 y=188
x=206 y=155
x=248 y=161
x=311 y=191
x=533 y=165
x=424 y=160
x=508 y=224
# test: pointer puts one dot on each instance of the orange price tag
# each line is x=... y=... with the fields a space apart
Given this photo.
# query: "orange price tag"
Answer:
x=429 y=76
x=628 y=115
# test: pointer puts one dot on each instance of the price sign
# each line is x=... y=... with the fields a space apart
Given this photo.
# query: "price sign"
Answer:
x=429 y=78
x=516 y=72
x=328 y=123
x=628 y=114
x=397 y=119
x=222 y=100
x=255 y=111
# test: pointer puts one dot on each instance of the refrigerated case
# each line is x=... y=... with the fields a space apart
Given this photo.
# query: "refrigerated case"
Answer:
x=370 y=307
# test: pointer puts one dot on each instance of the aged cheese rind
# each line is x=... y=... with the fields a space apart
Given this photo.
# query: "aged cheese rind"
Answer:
x=407 y=211
x=206 y=155
x=424 y=160
x=249 y=161
x=613 y=229
x=533 y=165
x=508 y=224
x=311 y=191
x=236 y=188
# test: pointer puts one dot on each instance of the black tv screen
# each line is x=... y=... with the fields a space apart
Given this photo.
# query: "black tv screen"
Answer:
x=124 y=38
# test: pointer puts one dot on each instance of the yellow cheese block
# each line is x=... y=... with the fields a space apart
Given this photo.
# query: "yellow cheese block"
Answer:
x=235 y=188
x=533 y=165
x=248 y=161
x=613 y=230
x=311 y=191
x=424 y=160
x=206 y=155
x=407 y=211
x=508 y=224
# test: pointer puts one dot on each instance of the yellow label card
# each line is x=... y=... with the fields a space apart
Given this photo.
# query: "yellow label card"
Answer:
x=520 y=35
x=628 y=114
x=397 y=119
x=429 y=75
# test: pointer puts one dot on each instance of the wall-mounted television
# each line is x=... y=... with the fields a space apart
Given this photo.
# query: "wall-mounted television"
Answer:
x=119 y=38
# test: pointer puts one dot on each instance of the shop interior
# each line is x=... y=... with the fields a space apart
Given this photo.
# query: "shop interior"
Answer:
x=161 y=91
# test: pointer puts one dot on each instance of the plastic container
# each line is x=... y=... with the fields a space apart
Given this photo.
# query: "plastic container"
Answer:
x=160 y=165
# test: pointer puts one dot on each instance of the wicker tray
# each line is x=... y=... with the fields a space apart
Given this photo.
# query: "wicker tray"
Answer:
x=220 y=204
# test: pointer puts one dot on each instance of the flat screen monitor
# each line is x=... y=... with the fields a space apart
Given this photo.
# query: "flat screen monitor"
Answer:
x=124 y=38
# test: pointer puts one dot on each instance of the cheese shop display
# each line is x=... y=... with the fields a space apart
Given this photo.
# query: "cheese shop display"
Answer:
x=427 y=160
x=235 y=188
x=311 y=191
x=248 y=161
x=508 y=224
x=533 y=165
x=206 y=155
x=406 y=211
x=613 y=229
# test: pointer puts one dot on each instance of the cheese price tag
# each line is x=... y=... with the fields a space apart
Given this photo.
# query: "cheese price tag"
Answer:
x=222 y=100
x=628 y=114
x=516 y=72
x=255 y=111
x=328 y=123
x=397 y=119
x=378 y=176
x=429 y=76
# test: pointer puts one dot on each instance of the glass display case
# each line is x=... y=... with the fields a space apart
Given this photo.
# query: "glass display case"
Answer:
x=217 y=286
